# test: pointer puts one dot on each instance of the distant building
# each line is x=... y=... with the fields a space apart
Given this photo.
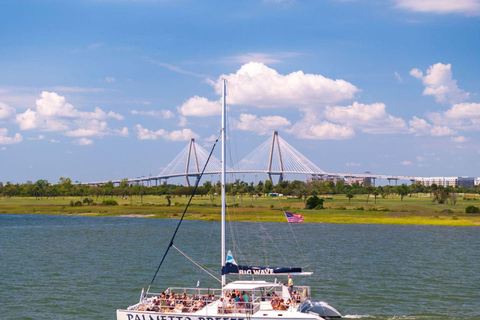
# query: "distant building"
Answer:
x=477 y=181
x=360 y=180
x=467 y=182
x=331 y=177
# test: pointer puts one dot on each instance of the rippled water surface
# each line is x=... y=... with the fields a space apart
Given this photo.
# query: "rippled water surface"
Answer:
x=71 y=267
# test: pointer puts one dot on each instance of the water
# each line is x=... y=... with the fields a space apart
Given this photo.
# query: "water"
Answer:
x=72 y=267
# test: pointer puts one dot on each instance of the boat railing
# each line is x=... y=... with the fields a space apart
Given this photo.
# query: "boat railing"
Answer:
x=301 y=293
x=174 y=305
x=248 y=308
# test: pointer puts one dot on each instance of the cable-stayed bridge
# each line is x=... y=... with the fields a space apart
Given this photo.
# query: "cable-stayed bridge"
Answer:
x=274 y=157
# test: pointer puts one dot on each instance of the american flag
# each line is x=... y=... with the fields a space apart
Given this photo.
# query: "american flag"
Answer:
x=293 y=217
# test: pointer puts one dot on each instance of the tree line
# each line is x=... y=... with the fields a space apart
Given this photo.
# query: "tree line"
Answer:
x=300 y=189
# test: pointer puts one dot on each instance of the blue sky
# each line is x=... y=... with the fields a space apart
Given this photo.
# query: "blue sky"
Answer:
x=98 y=90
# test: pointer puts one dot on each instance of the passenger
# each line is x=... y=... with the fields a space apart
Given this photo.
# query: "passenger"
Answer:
x=288 y=303
x=281 y=305
x=290 y=285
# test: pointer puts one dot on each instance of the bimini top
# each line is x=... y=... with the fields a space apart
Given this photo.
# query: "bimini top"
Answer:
x=250 y=285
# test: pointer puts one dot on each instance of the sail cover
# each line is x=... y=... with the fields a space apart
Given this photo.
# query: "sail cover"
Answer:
x=233 y=268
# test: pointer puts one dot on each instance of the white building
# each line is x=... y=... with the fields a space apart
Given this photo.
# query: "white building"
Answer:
x=467 y=182
x=477 y=181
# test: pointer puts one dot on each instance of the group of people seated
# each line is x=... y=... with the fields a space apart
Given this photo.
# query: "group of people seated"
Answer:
x=234 y=302
x=171 y=302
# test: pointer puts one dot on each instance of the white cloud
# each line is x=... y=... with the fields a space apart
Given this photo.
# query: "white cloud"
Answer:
x=371 y=118
x=255 y=84
x=4 y=148
x=421 y=127
x=464 y=111
x=146 y=134
x=177 y=135
x=83 y=142
x=322 y=131
x=439 y=83
x=459 y=139
x=262 y=125
x=183 y=121
x=181 y=135
x=200 y=107
x=115 y=115
x=54 y=141
x=407 y=163
x=123 y=133
x=163 y=114
x=420 y=158
x=53 y=113
x=6 y=111
x=442 y=131
x=110 y=79
x=5 y=139
x=466 y=7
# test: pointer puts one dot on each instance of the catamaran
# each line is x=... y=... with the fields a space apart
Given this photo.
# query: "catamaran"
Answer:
x=237 y=300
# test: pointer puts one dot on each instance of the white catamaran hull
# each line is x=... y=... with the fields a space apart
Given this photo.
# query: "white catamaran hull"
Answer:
x=150 y=315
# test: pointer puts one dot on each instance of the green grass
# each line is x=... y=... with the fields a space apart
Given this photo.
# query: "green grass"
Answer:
x=418 y=209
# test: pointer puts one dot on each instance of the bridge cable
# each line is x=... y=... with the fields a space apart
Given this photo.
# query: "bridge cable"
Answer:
x=184 y=212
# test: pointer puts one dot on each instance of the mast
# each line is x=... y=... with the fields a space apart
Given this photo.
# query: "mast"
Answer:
x=224 y=157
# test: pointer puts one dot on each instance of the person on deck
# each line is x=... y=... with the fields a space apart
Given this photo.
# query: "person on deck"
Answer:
x=290 y=285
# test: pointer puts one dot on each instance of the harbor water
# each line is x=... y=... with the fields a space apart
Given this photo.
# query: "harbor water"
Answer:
x=75 y=267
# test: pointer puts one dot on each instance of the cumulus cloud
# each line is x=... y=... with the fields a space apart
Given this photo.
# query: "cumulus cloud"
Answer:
x=262 y=125
x=6 y=111
x=255 y=84
x=322 y=131
x=5 y=139
x=200 y=107
x=110 y=79
x=162 y=114
x=439 y=83
x=421 y=127
x=123 y=133
x=466 y=7
x=370 y=118
x=53 y=113
x=83 y=142
x=464 y=111
x=407 y=163
x=177 y=135
x=459 y=139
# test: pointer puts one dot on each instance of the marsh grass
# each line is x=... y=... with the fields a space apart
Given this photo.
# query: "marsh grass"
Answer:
x=417 y=209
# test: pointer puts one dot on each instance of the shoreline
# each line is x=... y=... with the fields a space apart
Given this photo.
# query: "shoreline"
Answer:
x=415 y=210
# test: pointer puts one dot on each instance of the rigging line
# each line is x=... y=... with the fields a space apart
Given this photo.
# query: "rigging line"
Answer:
x=275 y=245
x=206 y=251
x=296 y=240
x=184 y=212
x=196 y=263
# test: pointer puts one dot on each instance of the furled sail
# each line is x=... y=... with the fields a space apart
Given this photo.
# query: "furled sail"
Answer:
x=253 y=270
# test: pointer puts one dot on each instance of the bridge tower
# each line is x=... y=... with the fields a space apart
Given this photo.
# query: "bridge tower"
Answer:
x=191 y=147
x=275 y=141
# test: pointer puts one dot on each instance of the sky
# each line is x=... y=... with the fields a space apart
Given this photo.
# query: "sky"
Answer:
x=96 y=90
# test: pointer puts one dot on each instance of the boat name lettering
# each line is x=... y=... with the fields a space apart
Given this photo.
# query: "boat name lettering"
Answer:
x=159 y=317
x=260 y=271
